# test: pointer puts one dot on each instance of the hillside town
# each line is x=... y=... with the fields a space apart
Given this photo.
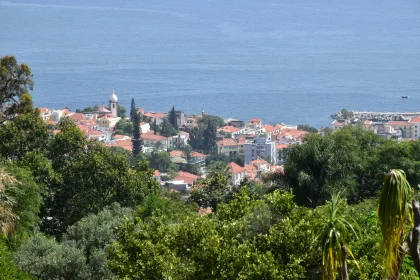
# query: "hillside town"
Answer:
x=257 y=147
x=251 y=148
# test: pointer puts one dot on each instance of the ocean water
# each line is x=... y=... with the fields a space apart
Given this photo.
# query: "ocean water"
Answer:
x=281 y=60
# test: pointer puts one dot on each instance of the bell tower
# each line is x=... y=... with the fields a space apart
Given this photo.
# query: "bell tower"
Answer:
x=113 y=104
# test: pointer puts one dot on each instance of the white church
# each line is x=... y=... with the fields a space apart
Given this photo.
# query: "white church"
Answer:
x=110 y=115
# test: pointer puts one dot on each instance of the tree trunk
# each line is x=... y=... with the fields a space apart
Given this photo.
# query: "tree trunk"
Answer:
x=414 y=237
x=344 y=272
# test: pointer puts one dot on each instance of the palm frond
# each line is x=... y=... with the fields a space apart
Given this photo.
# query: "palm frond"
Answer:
x=393 y=214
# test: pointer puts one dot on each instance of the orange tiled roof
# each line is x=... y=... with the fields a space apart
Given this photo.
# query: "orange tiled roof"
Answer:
x=335 y=122
x=176 y=153
x=103 y=109
x=155 y=115
x=250 y=168
x=415 y=120
x=66 y=112
x=231 y=142
x=228 y=129
x=236 y=169
x=400 y=123
x=44 y=110
x=76 y=117
x=197 y=155
x=152 y=137
x=187 y=177
x=270 y=128
x=291 y=132
x=126 y=144
x=156 y=173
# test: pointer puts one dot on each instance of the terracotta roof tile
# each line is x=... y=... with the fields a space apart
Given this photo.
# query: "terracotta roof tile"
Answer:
x=126 y=144
x=415 y=120
x=176 y=153
x=228 y=129
x=231 y=142
x=188 y=178
x=236 y=169
x=400 y=123
x=152 y=137
x=198 y=155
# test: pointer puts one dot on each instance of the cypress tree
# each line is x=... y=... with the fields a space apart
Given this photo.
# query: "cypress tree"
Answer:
x=154 y=126
x=136 y=141
x=133 y=111
x=209 y=136
x=172 y=118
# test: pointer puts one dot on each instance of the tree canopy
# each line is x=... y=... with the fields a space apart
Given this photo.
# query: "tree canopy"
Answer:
x=15 y=81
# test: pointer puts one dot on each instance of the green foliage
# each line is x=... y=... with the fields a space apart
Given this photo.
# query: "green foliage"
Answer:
x=196 y=139
x=203 y=137
x=136 y=140
x=82 y=254
x=160 y=161
x=47 y=259
x=28 y=197
x=307 y=128
x=133 y=110
x=122 y=111
x=120 y=151
x=8 y=270
x=167 y=129
x=239 y=242
x=346 y=114
x=214 y=120
x=26 y=133
x=124 y=127
x=173 y=118
x=170 y=208
x=191 y=168
x=94 y=179
x=155 y=127
x=393 y=212
x=343 y=161
x=67 y=144
x=211 y=192
x=334 y=234
x=209 y=135
x=15 y=81
x=88 y=109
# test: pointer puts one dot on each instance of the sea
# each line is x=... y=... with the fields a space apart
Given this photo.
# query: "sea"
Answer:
x=284 y=61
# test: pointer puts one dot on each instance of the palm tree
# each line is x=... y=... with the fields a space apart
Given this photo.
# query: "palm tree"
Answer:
x=8 y=218
x=219 y=167
x=394 y=212
x=158 y=145
x=335 y=228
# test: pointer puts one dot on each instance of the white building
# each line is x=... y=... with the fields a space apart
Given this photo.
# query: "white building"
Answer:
x=113 y=104
x=260 y=147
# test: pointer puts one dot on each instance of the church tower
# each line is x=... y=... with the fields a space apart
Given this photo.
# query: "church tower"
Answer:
x=113 y=104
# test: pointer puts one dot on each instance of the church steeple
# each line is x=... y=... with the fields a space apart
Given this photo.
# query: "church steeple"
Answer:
x=113 y=104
